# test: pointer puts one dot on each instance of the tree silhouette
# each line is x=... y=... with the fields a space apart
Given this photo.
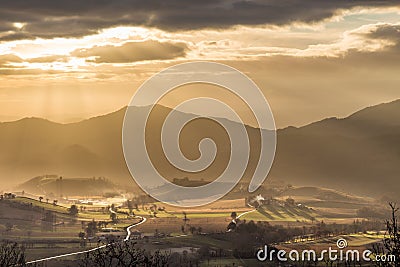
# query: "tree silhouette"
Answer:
x=391 y=244
x=73 y=210
x=12 y=254
x=234 y=215
x=113 y=217
x=130 y=206
x=82 y=238
x=91 y=228
x=123 y=254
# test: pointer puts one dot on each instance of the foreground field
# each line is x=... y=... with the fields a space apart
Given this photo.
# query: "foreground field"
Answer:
x=49 y=229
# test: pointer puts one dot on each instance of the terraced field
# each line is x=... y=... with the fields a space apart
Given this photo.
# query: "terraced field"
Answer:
x=279 y=213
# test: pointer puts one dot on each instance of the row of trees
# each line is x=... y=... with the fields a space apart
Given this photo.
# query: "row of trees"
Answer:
x=55 y=201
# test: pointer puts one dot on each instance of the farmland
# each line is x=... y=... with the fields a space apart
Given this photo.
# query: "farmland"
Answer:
x=48 y=228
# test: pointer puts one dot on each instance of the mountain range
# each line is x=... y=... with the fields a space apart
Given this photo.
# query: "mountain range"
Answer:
x=358 y=154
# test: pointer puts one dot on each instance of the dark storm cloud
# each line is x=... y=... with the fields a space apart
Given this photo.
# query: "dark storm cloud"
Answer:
x=49 y=18
x=16 y=36
x=133 y=51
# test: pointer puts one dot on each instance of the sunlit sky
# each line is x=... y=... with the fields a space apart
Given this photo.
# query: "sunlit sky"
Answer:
x=68 y=63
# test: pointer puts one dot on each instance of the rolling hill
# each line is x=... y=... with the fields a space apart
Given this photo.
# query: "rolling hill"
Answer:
x=358 y=154
x=56 y=185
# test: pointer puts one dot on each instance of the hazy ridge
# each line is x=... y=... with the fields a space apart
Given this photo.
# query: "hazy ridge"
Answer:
x=360 y=153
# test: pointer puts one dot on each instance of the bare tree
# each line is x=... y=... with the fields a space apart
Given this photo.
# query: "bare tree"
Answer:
x=391 y=243
x=185 y=221
x=123 y=254
x=12 y=254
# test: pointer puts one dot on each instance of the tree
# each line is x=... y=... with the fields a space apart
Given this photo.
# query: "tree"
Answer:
x=391 y=243
x=12 y=254
x=204 y=252
x=91 y=228
x=40 y=199
x=185 y=220
x=290 y=201
x=192 y=229
x=130 y=206
x=55 y=202
x=81 y=235
x=124 y=254
x=234 y=215
x=82 y=238
x=73 y=210
x=113 y=217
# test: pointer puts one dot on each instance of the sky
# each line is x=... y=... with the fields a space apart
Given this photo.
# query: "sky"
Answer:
x=70 y=60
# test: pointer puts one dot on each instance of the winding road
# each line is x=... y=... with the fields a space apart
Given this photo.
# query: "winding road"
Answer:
x=128 y=234
x=128 y=229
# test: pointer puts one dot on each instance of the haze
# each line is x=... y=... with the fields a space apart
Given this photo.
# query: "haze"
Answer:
x=70 y=62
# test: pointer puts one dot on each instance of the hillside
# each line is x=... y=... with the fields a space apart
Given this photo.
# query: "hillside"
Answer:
x=358 y=154
x=62 y=186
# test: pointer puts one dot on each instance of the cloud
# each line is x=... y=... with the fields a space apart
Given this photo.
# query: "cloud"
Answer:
x=12 y=36
x=133 y=51
x=385 y=32
x=49 y=19
x=7 y=59
x=48 y=59
x=370 y=38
